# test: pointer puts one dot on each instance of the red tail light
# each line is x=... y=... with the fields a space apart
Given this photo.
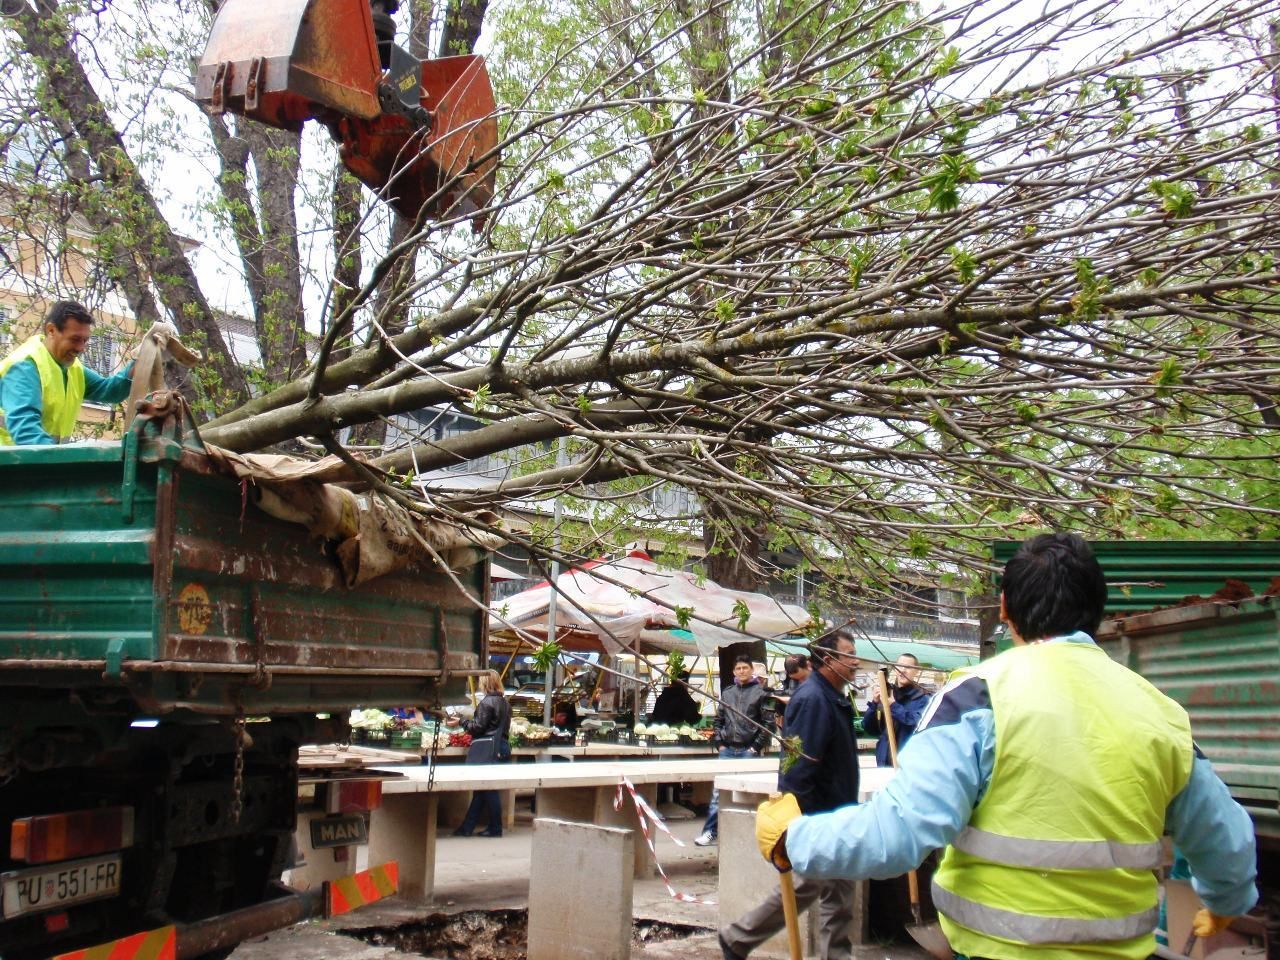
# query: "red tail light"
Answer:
x=359 y=796
x=66 y=836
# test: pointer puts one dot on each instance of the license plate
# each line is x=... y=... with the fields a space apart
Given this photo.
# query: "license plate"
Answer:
x=60 y=884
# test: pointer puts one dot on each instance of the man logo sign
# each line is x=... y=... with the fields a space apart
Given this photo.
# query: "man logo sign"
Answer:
x=338 y=832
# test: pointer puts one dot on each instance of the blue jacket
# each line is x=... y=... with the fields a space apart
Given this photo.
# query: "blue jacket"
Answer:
x=23 y=402
x=907 y=709
x=943 y=774
x=822 y=718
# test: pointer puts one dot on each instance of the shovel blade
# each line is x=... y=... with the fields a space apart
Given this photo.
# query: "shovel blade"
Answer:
x=931 y=938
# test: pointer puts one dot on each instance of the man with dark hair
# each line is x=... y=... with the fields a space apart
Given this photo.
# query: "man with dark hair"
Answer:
x=822 y=777
x=675 y=705
x=43 y=383
x=740 y=731
x=1049 y=773
x=795 y=671
x=907 y=701
x=1055 y=585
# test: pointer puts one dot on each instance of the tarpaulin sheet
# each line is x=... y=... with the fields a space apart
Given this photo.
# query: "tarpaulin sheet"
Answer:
x=374 y=534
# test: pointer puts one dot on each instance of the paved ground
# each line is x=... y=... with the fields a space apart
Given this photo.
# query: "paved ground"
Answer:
x=481 y=873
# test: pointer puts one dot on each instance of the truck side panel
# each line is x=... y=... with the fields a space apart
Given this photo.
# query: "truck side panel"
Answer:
x=164 y=577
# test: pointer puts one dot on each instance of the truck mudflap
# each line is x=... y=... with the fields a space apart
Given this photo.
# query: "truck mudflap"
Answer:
x=157 y=944
x=361 y=889
x=188 y=941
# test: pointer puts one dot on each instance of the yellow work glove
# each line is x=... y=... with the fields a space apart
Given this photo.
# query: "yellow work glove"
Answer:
x=1207 y=923
x=772 y=819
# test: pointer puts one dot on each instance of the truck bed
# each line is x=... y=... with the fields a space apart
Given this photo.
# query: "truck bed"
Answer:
x=134 y=570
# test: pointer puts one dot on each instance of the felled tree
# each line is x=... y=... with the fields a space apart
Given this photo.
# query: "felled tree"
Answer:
x=878 y=283
x=919 y=280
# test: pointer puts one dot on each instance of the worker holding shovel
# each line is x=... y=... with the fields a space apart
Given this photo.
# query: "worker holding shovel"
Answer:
x=822 y=776
x=1049 y=773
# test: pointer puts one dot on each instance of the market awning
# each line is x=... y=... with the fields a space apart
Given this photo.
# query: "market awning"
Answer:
x=932 y=656
x=632 y=601
x=498 y=572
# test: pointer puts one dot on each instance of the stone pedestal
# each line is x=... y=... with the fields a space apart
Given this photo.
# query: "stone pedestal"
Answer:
x=746 y=879
x=580 y=892
x=594 y=805
x=404 y=829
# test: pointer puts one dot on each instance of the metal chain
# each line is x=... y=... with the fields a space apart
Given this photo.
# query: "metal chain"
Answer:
x=438 y=714
x=237 y=780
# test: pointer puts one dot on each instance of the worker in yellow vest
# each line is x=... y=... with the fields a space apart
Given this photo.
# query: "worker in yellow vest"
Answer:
x=43 y=383
x=1049 y=774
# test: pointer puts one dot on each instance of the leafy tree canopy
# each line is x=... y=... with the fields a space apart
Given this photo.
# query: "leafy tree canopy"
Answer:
x=877 y=281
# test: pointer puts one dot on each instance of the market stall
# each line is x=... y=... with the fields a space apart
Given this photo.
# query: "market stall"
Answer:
x=633 y=615
x=633 y=605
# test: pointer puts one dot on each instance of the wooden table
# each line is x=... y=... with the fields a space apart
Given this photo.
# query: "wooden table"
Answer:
x=566 y=751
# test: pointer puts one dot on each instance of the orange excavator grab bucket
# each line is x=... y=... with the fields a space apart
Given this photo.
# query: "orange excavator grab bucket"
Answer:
x=420 y=133
x=449 y=168
x=287 y=61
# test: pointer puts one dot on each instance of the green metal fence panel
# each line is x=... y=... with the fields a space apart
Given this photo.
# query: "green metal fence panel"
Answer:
x=1143 y=574
x=1220 y=661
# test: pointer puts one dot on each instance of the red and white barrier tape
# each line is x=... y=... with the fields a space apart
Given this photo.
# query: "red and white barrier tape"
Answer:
x=646 y=816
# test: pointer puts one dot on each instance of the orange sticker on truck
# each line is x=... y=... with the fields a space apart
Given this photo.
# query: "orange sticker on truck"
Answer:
x=363 y=888
x=195 y=613
x=160 y=944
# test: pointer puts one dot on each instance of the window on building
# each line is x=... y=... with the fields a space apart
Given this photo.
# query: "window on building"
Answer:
x=104 y=347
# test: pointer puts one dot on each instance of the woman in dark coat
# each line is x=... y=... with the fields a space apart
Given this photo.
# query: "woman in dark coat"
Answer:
x=489 y=729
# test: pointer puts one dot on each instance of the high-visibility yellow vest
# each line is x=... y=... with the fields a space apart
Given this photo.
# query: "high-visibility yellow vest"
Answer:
x=61 y=397
x=1057 y=860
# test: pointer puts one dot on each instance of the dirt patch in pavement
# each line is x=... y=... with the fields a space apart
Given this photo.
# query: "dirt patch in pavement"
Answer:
x=490 y=935
x=470 y=935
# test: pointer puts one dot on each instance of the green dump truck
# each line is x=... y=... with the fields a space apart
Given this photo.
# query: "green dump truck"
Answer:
x=165 y=647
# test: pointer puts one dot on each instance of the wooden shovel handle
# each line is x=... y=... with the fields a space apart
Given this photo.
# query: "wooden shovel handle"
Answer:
x=913 y=881
x=791 y=914
x=888 y=716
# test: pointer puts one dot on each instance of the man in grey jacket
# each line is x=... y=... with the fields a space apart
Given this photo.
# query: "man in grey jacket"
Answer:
x=740 y=731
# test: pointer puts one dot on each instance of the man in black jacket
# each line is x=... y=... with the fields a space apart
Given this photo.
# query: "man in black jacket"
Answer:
x=740 y=731
x=823 y=777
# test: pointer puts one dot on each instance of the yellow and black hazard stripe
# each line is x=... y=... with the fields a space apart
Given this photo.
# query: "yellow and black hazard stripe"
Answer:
x=360 y=889
x=158 y=944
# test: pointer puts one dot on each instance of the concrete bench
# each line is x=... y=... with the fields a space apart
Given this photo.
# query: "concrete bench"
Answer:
x=745 y=877
x=404 y=827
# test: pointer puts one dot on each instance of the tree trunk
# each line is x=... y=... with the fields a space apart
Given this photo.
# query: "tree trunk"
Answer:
x=278 y=316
